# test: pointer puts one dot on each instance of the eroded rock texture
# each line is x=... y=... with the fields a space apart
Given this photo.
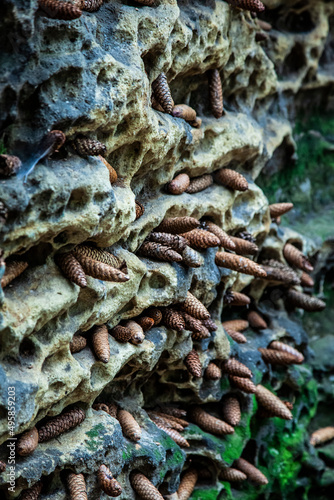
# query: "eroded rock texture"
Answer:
x=93 y=76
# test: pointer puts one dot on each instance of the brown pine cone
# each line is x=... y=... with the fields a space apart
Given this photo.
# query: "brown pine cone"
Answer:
x=101 y=407
x=213 y=372
x=208 y=423
x=173 y=241
x=199 y=238
x=155 y=105
x=13 y=269
x=215 y=93
x=240 y=264
x=102 y=271
x=303 y=301
x=27 y=443
x=165 y=421
x=60 y=10
x=281 y=346
x=251 y=5
x=162 y=93
x=224 y=239
x=100 y=342
x=232 y=475
x=194 y=325
x=187 y=484
x=296 y=258
x=194 y=307
x=183 y=111
x=191 y=258
x=275 y=357
x=32 y=493
x=177 y=225
x=77 y=486
x=271 y=402
x=198 y=184
x=113 y=408
x=306 y=280
x=144 y=488
x=236 y=336
x=145 y=322
x=245 y=235
x=53 y=141
x=107 y=482
x=139 y=210
x=175 y=435
x=91 y=5
x=268 y=27
x=71 y=268
x=155 y=314
x=261 y=36
x=2 y=466
x=130 y=427
x=121 y=333
x=62 y=423
x=175 y=412
x=231 y=411
x=196 y=123
x=177 y=421
x=89 y=147
x=238 y=325
x=9 y=165
x=243 y=383
x=193 y=364
x=77 y=343
x=209 y=324
x=137 y=333
x=231 y=179
x=236 y=298
x=173 y=319
x=99 y=255
x=276 y=271
x=321 y=436
x=160 y=252
x=278 y=209
x=179 y=184
x=251 y=471
x=244 y=247
x=233 y=367
x=264 y=413
x=256 y=321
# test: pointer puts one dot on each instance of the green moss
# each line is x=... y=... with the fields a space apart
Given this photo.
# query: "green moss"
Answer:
x=3 y=148
x=203 y=494
x=95 y=437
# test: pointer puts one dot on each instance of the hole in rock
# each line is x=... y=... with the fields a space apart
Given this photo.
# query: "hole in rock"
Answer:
x=78 y=199
x=294 y=62
x=157 y=281
x=27 y=348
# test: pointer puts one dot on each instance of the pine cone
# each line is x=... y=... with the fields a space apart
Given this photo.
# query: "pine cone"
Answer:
x=238 y=325
x=194 y=325
x=276 y=271
x=251 y=5
x=208 y=423
x=198 y=184
x=175 y=412
x=144 y=488
x=9 y=165
x=213 y=372
x=244 y=247
x=100 y=342
x=209 y=324
x=278 y=357
x=27 y=443
x=271 y=402
x=91 y=5
x=233 y=367
x=145 y=322
x=113 y=409
x=175 y=435
x=251 y=471
x=146 y=2
x=60 y=10
x=130 y=427
x=264 y=413
x=303 y=301
x=107 y=482
x=139 y=210
x=72 y=269
x=215 y=93
x=177 y=225
x=173 y=419
x=101 y=407
x=164 y=420
x=231 y=411
x=155 y=314
x=278 y=209
x=32 y=493
x=196 y=123
x=53 y=141
x=296 y=258
x=198 y=238
x=102 y=271
x=121 y=333
x=232 y=475
x=173 y=319
x=321 y=436
x=268 y=27
x=236 y=299
x=306 y=280
x=77 y=486
x=2 y=466
x=13 y=269
x=261 y=36
x=162 y=93
x=256 y=321
x=77 y=343
x=240 y=264
x=137 y=334
x=194 y=307
x=160 y=252
x=89 y=147
x=62 y=423
x=191 y=258
x=242 y=383
x=187 y=484
x=173 y=241
x=280 y=346
x=193 y=364
x=231 y=179
x=183 y=111
x=99 y=255
x=245 y=235
x=236 y=336
x=179 y=184
x=224 y=239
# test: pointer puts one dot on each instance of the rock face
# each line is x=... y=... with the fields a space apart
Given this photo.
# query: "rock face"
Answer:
x=92 y=76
